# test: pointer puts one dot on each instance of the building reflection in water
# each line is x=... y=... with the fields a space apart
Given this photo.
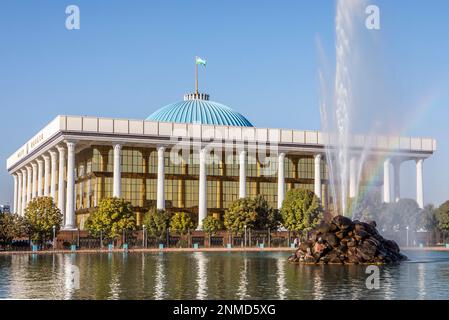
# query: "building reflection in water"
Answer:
x=243 y=284
x=201 y=278
x=386 y=283
x=18 y=274
x=159 y=282
x=421 y=282
x=282 y=289
x=71 y=276
x=317 y=293
x=114 y=286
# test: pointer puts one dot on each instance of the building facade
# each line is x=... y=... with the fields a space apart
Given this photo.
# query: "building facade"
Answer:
x=193 y=156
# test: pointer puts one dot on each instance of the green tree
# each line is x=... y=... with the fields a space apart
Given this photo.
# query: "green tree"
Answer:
x=254 y=213
x=240 y=213
x=112 y=217
x=442 y=216
x=267 y=217
x=41 y=215
x=428 y=220
x=181 y=222
x=301 y=210
x=212 y=225
x=12 y=226
x=397 y=216
x=157 y=223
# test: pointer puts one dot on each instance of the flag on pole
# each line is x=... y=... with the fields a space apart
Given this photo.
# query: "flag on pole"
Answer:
x=200 y=61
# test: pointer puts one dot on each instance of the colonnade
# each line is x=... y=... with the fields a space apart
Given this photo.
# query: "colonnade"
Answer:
x=56 y=170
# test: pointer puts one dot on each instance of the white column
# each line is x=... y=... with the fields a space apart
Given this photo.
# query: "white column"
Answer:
x=46 y=175
x=387 y=191
x=34 y=183
x=117 y=189
x=317 y=180
x=352 y=177
x=24 y=192
x=397 y=180
x=89 y=192
x=29 y=183
x=81 y=186
x=242 y=175
x=160 y=178
x=19 y=193
x=202 y=206
x=281 y=180
x=61 y=181
x=70 y=206
x=54 y=177
x=40 y=173
x=16 y=192
x=419 y=183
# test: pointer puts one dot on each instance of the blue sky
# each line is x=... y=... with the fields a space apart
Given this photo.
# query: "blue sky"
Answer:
x=131 y=57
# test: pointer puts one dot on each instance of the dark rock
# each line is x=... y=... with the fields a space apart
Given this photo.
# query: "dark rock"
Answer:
x=372 y=223
x=361 y=235
x=323 y=227
x=391 y=246
x=340 y=234
x=343 y=241
x=342 y=222
x=331 y=239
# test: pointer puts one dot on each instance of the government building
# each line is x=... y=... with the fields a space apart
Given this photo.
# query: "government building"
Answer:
x=194 y=156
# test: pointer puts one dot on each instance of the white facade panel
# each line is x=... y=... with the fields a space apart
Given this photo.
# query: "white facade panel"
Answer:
x=415 y=143
x=299 y=136
x=135 y=127
x=274 y=135
x=261 y=135
x=235 y=133
x=105 y=125
x=165 y=128
x=248 y=134
x=121 y=126
x=427 y=145
x=286 y=136
x=150 y=128
x=311 y=137
x=90 y=124
x=221 y=132
x=74 y=123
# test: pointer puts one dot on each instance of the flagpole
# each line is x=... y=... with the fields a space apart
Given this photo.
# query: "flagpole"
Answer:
x=196 y=76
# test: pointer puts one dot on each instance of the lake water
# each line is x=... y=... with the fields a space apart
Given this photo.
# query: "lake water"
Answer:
x=221 y=275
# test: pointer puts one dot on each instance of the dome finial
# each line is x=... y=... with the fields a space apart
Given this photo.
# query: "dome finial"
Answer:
x=198 y=61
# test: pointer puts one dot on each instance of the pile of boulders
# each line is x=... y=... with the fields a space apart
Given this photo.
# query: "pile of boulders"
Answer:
x=343 y=241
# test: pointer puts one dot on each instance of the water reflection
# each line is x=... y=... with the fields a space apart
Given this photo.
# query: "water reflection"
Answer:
x=421 y=282
x=201 y=279
x=281 y=279
x=243 y=281
x=205 y=275
x=159 y=292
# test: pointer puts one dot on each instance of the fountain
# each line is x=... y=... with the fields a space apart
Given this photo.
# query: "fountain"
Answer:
x=341 y=110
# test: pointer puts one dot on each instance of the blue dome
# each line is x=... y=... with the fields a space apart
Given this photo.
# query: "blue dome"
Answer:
x=196 y=108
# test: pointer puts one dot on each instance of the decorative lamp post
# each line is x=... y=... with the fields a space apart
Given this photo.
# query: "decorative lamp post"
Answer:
x=407 y=234
x=245 y=235
x=144 y=243
x=54 y=237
